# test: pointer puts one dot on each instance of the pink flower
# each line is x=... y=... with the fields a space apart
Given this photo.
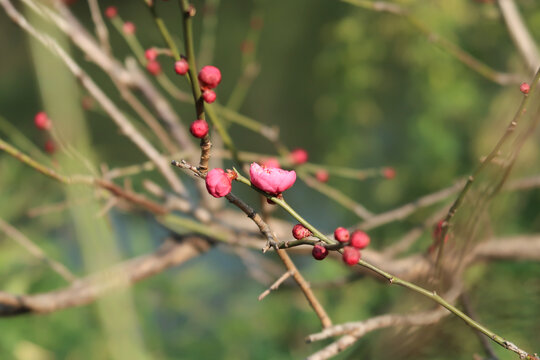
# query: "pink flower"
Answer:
x=272 y=180
x=218 y=182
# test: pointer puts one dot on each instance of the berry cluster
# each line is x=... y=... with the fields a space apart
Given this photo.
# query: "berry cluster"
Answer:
x=355 y=242
x=352 y=243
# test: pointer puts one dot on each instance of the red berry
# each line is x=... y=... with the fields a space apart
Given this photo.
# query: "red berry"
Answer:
x=322 y=175
x=319 y=252
x=151 y=54
x=389 y=173
x=350 y=255
x=199 y=128
x=359 y=239
x=299 y=231
x=210 y=77
x=341 y=234
x=129 y=28
x=153 y=67
x=111 y=12
x=50 y=147
x=42 y=121
x=181 y=67
x=298 y=156
x=524 y=88
x=209 y=96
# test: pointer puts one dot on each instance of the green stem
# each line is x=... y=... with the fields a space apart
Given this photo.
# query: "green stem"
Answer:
x=394 y=279
x=163 y=30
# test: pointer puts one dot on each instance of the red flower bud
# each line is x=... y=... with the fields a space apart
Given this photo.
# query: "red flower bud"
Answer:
x=298 y=156
x=359 y=239
x=341 y=234
x=209 y=96
x=218 y=183
x=299 y=232
x=42 y=121
x=319 y=252
x=210 y=77
x=153 y=67
x=181 y=67
x=199 y=128
x=351 y=255
x=524 y=88
x=111 y=12
x=322 y=175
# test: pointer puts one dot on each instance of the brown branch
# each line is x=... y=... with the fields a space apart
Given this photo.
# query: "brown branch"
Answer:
x=92 y=287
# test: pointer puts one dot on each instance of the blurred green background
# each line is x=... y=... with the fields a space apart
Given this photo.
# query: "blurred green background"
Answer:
x=353 y=87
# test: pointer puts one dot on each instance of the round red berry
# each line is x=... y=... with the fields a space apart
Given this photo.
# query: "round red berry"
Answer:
x=111 y=12
x=359 y=239
x=322 y=175
x=151 y=54
x=153 y=67
x=129 y=28
x=319 y=252
x=341 y=234
x=210 y=77
x=299 y=231
x=524 y=88
x=181 y=67
x=199 y=128
x=209 y=96
x=351 y=255
x=42 y=121
x=298 y=156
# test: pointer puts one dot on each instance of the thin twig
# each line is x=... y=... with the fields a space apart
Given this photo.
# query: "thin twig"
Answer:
x=276 y=284
x=521 y=36
x=36 y=251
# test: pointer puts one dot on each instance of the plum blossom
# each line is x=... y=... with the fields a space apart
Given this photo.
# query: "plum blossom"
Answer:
x=271 y=180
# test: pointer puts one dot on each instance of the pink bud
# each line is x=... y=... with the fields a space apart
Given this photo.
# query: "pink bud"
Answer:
x=389 y=173
x=271 y=180
x=210 y=77
x=319 y=252
x=322 y=175
x=299 y=231
x=218 y=183
x=209 y=96
x=524 y=88
x=181 y=67
x=50 y=147
x=298 y=156
x=359 y=239
x=270 y=163
x=111 y=12
x=341 y=234
x=199 y=128
x=350 y=255
x=153 y=67
x=151 y=54
x=129 y=28
x=42 y=121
